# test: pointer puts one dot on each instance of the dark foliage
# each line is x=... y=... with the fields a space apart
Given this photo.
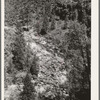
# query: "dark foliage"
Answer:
x=60 y=10
x=25 y=29
x=43 y=32
x=28 y=89
x=83 y=94
x=34 y=68
x=18 y=51
x=79 y=55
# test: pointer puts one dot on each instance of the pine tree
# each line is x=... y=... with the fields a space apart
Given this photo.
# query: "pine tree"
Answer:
x=28 y=89
x=84 y=17
x=34 y=68
x=65 y=22
x=52 y=23
x=45 y=19
x=18 y=51
x=45 y=23
x=37 y=27
x=76 y=14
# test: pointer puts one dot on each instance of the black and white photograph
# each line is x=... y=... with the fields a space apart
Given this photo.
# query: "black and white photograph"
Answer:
x=47 y=50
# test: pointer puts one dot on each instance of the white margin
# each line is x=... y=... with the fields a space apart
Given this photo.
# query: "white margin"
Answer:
x=95 y=51
x=2 y=49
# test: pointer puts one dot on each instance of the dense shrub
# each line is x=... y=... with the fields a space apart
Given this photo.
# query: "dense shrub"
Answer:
x=18 y=51
x=79 y=56
x=34 y=67
x=28 y=89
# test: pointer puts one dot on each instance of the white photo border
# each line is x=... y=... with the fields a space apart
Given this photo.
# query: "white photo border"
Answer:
x=95 y=50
